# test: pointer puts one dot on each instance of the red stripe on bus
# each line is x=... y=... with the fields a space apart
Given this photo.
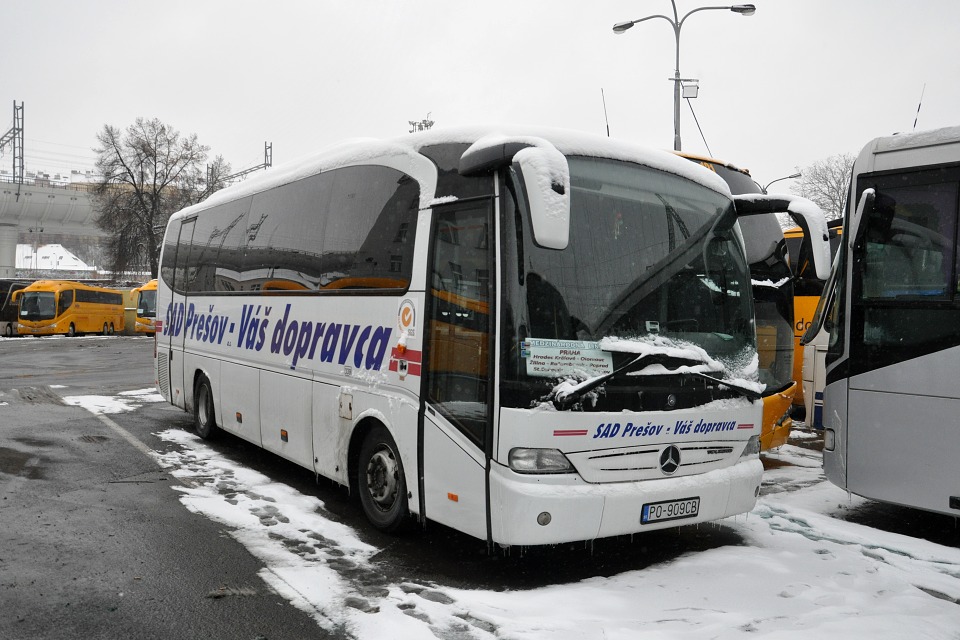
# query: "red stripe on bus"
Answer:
x=407 y=354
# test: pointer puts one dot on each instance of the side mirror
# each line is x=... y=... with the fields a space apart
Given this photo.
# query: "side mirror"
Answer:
x=810 y=218
x=546 y=180
x=867 y=200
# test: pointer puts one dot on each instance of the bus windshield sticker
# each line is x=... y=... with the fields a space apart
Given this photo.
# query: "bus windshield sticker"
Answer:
x=557 y=358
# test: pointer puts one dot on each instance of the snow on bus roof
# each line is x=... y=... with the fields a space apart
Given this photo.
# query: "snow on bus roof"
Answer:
x=945 y=135
x=358 y=150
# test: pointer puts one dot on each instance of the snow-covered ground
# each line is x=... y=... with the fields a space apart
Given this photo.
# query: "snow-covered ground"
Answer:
x=803 y=573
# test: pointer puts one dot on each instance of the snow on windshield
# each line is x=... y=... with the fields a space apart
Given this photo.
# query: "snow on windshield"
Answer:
x=741 y=370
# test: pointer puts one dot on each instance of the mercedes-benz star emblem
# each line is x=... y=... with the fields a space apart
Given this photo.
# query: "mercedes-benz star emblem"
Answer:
x=669 y=460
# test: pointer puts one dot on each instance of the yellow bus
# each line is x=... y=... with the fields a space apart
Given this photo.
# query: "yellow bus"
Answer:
x=774 y=279
x=146 y=308
x=49 y=307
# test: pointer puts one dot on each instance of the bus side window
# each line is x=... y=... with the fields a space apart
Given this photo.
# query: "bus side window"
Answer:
x=66 y=300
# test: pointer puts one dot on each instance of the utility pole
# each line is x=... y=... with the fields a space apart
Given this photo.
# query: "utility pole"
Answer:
x=267 y=163
x=15 y=136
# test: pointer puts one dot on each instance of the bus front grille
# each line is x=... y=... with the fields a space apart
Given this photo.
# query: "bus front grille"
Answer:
x=631 y=464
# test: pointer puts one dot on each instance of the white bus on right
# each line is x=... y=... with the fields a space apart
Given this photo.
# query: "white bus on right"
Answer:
x=892 y=398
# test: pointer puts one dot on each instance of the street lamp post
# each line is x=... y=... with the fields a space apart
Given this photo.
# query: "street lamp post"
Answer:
x=790 y=177
x=677 y=23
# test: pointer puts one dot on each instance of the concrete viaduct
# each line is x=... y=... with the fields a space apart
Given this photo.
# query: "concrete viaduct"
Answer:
x=57 y=209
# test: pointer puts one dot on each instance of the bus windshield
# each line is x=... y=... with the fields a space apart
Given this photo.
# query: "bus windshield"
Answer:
x=147 y=304
x=38 y=305
x=653 y=266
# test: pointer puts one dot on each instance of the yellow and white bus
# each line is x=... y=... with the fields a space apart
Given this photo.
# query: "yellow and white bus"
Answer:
x=49 y=307
x=146 y=307
x=532 y=337
x=775 y=283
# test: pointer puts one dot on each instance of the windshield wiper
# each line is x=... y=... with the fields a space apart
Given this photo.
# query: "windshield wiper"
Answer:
x=566 y=398
x=746 y=392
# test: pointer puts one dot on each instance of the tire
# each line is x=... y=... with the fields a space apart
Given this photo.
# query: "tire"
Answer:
x=8 y=331
x=204 y=413
x=72 y=331
x=112 y=330
x=106 y=330
x=380 y=479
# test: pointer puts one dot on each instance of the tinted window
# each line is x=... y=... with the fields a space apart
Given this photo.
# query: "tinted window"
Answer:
x=285 y=235
x=351 y=228
x=906 y=300
x=216 y=250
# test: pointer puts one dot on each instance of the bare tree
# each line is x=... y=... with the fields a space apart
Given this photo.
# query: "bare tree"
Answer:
x=149 y=171
x=827 y=183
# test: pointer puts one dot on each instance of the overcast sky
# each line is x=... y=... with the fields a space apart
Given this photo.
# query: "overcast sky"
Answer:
x=797 y=82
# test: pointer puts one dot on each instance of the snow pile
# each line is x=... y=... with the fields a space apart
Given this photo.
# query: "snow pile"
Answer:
x=126 y=401
x=802 y=573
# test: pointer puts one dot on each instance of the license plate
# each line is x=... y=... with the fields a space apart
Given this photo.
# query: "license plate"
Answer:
x=670 y=510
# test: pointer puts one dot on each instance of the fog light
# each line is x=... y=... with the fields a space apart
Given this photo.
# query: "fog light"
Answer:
x=829 y=439
x=544 y=519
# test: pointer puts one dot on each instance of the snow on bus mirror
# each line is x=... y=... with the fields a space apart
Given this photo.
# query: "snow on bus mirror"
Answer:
x=808 y=216
x=546 y=179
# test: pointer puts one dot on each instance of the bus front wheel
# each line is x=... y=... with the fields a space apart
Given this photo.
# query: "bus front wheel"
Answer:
x=72 y=330
x=383 y=491
x=204 y=416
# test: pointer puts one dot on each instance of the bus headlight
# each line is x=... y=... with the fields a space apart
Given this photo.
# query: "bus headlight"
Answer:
x=829 y=440
x=523 y=460
x=752 y=448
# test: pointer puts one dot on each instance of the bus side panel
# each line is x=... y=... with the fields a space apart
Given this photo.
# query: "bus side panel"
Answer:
x=914 y=428
x=454 y=479
x=286 y=416
x=239 y=408
x=332 y=427
x=905 y=412
x=835 y=419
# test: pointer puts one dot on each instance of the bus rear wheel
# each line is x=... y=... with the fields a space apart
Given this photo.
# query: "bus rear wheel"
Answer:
x=383 y=490
x=106 y=331
x=8 y=331
x=204 y=415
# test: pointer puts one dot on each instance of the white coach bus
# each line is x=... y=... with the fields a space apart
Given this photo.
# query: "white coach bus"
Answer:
x=892 y=309
x=532 y=338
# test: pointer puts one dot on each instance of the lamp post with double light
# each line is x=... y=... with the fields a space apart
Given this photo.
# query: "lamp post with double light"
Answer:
x=677 y=23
